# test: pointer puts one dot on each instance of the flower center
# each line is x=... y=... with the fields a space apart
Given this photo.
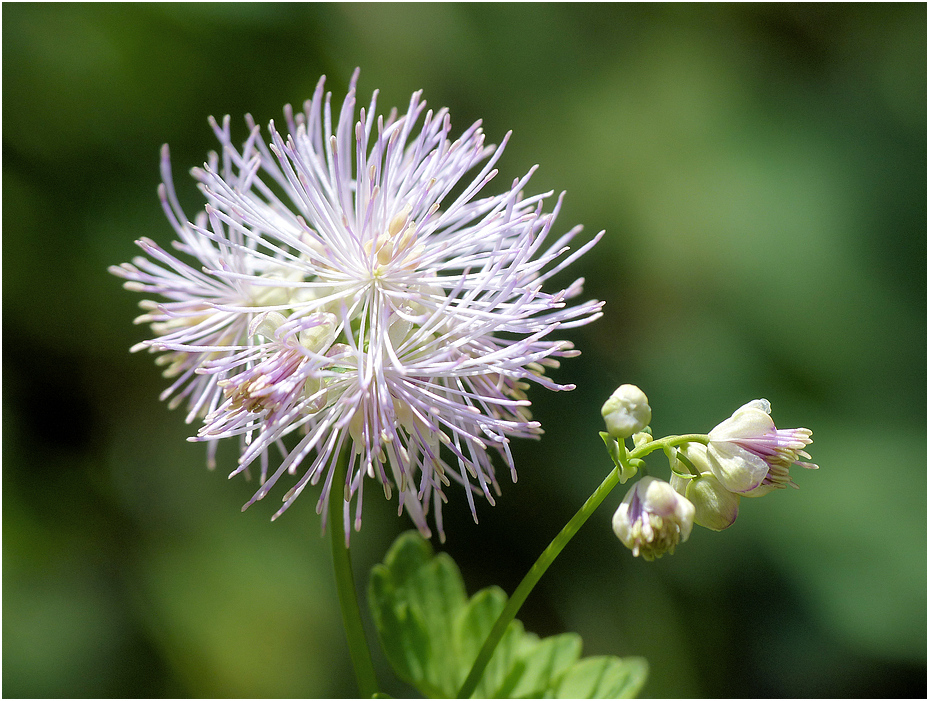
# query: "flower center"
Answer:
x=397 y=247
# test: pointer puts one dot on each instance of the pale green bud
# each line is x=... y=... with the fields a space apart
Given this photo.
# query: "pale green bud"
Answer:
x=626 y=412
x=266 y=324
x=716 y=507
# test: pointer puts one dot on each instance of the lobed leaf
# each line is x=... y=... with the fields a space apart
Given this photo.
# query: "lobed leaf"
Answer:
x=431 y=633
x=603 y=678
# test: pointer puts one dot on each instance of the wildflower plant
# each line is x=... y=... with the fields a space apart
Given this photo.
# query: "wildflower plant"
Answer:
x=352 y=308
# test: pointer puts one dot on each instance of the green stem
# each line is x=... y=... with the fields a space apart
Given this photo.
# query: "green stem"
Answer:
x=556 y=546
x=532 y=577
x=345 y=584
x=668 y=442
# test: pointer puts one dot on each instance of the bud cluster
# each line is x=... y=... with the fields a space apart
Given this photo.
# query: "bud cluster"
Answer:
x=745 y=455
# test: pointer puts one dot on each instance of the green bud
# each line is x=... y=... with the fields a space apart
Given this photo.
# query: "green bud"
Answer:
x=626 y=412
x=716 y=507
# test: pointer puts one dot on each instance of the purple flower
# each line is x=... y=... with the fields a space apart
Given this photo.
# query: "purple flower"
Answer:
x=350 y=285
x=193 y=324
x=749 y=455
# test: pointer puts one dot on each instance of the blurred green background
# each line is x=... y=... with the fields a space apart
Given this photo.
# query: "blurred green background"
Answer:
x=761 y=173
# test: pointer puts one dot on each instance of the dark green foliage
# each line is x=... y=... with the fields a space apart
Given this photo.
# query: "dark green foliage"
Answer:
x=431 y=633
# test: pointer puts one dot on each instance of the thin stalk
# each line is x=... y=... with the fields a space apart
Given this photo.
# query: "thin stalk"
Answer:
x=345 y=584
x=532 y=577
x=557 y=545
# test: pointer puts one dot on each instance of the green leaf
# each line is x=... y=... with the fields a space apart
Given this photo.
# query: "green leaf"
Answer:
x=475 y=624
x=402 y=630
x=415 y=599
x=603 y=678
x=431 y=633
x=545 y=663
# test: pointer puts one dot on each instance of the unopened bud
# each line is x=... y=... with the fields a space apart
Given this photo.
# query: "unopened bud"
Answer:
x=626 y=412
x=653 y=519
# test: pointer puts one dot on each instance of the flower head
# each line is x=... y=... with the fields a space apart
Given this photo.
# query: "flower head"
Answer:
x=749 y=455
x=349 y=284
x=653 y=518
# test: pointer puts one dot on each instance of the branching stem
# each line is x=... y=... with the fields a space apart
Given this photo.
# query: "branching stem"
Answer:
x=554 y=549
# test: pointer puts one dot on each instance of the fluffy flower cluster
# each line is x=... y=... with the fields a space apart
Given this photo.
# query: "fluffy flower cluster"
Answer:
x=349 y=284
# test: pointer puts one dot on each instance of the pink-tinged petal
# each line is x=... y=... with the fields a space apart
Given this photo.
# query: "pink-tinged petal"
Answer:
x=737 y=469
x=747 y=422
x=760 y=490
x=751 y=456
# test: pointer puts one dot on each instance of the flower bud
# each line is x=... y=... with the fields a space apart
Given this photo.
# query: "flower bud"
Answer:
x=318 y=331
x=749 y=455
x=653 y=518
x=626 y=412
x=715 y=506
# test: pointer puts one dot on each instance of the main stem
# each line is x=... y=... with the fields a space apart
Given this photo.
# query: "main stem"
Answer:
x=555 y=547
x=529 y=581
x=345 y=584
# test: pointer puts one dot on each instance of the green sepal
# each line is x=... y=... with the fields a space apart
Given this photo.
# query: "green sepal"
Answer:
x=431 y=633
x=626 y=471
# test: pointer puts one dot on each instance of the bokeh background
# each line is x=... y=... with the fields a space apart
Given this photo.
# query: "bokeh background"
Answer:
x=761 y=173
